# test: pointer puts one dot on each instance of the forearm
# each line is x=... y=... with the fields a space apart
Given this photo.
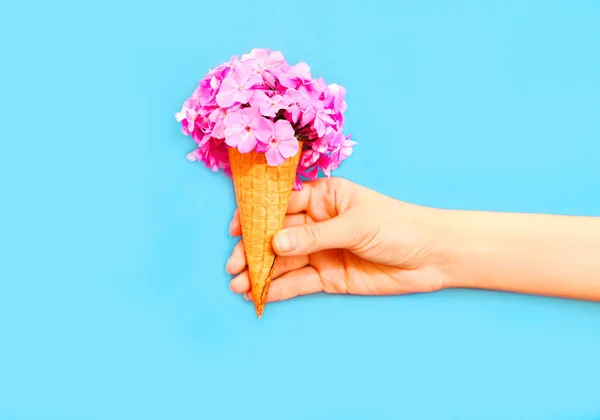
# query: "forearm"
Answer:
x=525 y=253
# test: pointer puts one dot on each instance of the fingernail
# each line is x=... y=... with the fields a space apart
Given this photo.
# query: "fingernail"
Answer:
x=230 y=226
x=227 y=265
x=247 y=295
x=229 y=286
x=285 y=242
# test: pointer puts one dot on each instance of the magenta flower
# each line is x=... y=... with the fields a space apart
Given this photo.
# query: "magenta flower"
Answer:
x=309 y=157
x=281 y=145
x=311 y=172
x=326 y=162
x=200 y=138
x=244 y=128
x=187 y=117
x=208 y=153
x=268 y=106
x=345 y=149
x=297 y=183
x=236 y=88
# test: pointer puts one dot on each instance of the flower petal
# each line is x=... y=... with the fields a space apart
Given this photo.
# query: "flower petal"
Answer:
x=297 y=184
x=246 y=143
x=226 y=92
x=283 y=130
x=308 y=115
x=250 y=114
x=243 y=96
x=273 y=156
x=235 y=118
x=233 y=135
x=225 y=98
x=288 y=148
x=262 y=129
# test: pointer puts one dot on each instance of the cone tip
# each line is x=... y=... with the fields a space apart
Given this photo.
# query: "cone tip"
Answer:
x=260 y=308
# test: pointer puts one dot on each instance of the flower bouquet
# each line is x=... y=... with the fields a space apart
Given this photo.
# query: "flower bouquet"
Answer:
x=267 y=125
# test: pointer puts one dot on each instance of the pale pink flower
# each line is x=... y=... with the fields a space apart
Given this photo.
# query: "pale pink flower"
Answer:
x=281 y=145
x=317 y=115
x=264 y=59
x=244 y=128
x=295 y=75
x=268 y=106
x=236 y=89
x=217 y=116
x=292 y=97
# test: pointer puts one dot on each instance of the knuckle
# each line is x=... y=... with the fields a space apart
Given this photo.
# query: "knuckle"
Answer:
x=312 y=234
x=332 y=185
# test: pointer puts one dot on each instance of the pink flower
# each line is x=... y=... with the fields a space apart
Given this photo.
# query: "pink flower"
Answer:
x=309 y=157
x=295 y=75
x=311 y=172
x=345 y=149
x=217 y=116
x=235 y=105
x=321 y=145
x=334 y=98
x=264 y=59
x=244 y=128
x=209 y=153
x=297 y=183
x=281 y=145
x=325 y=162
x=268 y=106
x=315 y=88
x=200 y=138
x=236 y=88
x=188 y=119
x=316 y=114
x=292 y=99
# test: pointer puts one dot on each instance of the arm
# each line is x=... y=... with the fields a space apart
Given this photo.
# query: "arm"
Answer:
x=524 y=253
x=343 y=238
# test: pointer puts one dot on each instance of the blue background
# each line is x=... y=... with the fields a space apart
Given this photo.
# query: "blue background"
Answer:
x=113 y=294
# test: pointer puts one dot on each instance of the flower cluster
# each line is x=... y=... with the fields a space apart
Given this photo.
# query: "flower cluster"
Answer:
x=261 y=103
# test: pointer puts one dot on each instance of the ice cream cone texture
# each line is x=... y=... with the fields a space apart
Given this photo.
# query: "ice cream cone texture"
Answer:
x=262 y=193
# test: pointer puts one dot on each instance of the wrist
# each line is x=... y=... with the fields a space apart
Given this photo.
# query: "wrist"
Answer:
x=451 y=248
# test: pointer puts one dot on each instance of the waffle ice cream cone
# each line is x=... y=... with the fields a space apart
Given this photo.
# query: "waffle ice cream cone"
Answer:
x=262 y=193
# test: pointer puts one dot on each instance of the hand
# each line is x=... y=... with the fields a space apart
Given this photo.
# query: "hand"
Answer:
x=339 y=237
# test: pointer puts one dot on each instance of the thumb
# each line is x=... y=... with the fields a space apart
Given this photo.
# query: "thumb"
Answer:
x=314 y=237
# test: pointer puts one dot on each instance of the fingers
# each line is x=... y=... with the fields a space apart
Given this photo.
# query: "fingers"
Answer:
x=286 y=264
x=241 y=283
x=301 y=282
x=313 y=237
x=235 y=227
x=295 y=283
x=313 y=195
x=237 y=261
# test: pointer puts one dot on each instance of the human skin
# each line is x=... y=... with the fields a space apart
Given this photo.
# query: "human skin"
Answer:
x=343 y=238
